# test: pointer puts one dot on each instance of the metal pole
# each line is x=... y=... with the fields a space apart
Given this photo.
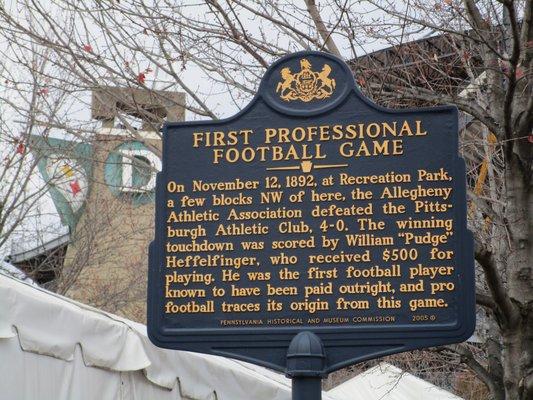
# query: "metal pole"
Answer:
x=306 y=388
x=305 y=366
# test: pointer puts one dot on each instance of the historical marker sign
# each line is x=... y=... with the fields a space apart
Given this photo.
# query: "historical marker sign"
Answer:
x=312 y=209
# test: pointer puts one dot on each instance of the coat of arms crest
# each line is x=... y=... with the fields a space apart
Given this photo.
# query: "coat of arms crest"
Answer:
x=307 y=84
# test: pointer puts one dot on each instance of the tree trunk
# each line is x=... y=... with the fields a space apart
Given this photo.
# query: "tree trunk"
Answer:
x=517 y=331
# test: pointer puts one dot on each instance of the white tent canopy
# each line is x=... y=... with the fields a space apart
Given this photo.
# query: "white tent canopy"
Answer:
x=52 y=348
x=386 y=382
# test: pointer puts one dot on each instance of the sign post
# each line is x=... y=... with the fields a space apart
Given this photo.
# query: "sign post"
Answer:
x=305 y=363
x=312 y=230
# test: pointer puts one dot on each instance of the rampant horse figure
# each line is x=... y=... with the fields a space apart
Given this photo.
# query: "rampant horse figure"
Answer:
x=285 y=88
x=327 y=85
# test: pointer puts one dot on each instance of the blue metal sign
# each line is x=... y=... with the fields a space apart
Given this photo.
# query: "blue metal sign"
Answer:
x=316 y=210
